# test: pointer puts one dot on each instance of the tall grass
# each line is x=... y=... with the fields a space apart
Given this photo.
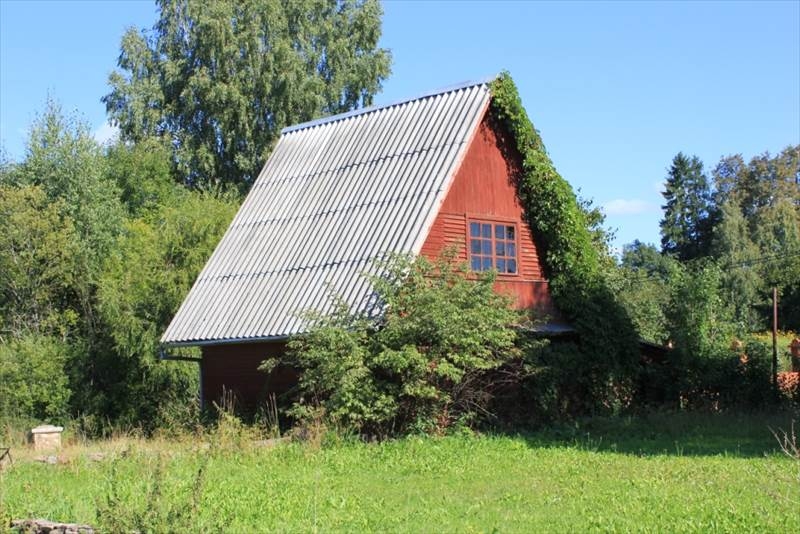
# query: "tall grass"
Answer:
x=666 y=472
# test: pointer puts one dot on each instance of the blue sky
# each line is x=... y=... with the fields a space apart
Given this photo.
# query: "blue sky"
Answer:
x=615 y=88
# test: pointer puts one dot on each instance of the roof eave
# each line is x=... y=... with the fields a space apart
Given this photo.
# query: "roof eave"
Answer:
x=227 y=341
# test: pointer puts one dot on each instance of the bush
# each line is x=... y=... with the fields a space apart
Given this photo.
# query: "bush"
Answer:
x=727 y=376
x=564 y=383
x=33 y=382
x=731 y=378
x=40 y=275
x=709 y=368
x=698 y=319
x=142 y=285
x=426 y=364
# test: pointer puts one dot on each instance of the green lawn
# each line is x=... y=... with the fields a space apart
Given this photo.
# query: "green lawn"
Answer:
x=678 y=473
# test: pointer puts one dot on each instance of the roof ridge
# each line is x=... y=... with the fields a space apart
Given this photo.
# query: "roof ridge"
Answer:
x=370 y=109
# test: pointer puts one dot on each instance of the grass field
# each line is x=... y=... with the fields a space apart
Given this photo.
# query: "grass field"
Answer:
x=663 y=473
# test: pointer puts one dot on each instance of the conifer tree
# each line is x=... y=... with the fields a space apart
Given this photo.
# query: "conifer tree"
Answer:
x=688 y=212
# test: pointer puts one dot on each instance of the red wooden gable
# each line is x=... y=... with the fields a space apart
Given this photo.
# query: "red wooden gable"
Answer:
x=483 y=189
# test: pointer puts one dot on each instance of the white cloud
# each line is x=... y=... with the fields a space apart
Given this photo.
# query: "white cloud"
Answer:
x=624 y=206
x=659 y=186
x=105 y=133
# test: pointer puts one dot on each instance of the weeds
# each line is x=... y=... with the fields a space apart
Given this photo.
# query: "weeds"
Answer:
x=5 y=514
x=165 y=507
x=267 y=417
x=788 y=442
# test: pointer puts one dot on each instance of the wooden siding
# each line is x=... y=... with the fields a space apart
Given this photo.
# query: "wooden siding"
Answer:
x=234 y=368
x=484 y=189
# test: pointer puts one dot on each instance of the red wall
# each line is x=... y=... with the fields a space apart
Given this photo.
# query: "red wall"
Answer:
x=483 y=188
x=235 y=368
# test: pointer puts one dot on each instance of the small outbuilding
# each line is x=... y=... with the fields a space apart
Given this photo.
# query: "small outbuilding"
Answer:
x=335 y=196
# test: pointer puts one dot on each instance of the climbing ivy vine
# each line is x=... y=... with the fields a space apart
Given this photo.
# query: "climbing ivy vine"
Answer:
x=572 y=263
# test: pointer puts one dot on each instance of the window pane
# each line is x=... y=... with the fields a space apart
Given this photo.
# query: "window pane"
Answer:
x=500 y=231
x=486 y=264
x=475 y=246
x=509 y=232
x=499 y=248
x=511 y=250
x=486 y=247
x=501 y=265
x=475 y=264
x=474 y=229
x=511 y=266
x=486 y=231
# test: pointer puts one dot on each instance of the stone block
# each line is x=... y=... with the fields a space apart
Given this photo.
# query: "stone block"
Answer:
x=46 y=437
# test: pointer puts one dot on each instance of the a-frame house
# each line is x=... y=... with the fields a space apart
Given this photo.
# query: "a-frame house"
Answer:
x=336 y=195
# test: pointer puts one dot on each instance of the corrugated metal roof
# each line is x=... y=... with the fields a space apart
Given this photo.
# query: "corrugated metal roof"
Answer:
x=334 y=196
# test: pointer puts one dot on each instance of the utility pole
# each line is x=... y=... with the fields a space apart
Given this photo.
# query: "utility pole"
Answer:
x=775 y=338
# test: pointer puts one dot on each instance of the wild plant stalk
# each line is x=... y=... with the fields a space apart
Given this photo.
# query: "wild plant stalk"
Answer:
x=160 y=513
x=4 y=517
x=788 y=442
x=268 y=416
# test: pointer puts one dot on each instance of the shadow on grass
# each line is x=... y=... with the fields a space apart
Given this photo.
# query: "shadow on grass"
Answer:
x=745 y=435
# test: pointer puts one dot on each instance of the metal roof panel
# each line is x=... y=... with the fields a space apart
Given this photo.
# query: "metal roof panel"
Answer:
x=335 y=196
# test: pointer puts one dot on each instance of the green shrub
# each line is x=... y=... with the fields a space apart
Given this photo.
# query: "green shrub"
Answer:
x=564 y=383
x=707 y=369
x=426 y=364
x=33 y=382
x=728 y=378
x=40 y=273
x=142 y=285
x=723 y=379
x=698 y=319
